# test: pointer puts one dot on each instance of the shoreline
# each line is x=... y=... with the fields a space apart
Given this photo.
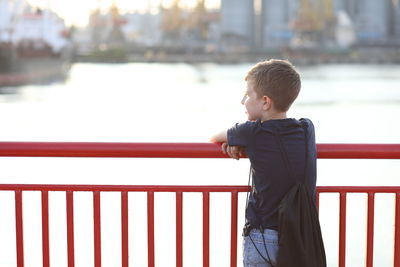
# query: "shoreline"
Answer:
x=305 y=56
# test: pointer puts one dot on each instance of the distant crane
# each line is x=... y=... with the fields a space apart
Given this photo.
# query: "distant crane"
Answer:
x=172 y=19
x=106 y=29
x=198 y=21
x=175 y=20
x=315 y=21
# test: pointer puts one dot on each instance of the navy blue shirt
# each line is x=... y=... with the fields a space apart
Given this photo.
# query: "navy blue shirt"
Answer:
x=277 y=152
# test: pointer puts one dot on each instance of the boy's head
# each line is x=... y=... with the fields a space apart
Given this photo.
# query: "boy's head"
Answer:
x=276 y=79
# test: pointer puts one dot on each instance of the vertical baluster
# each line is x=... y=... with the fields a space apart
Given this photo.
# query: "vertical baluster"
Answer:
x=97 y=228
x=45 y=229
x=234 y=228
x=70 y=228
x=150 y=228
x=124 y=229
x=19 y=228
x=317 y=201
x=397 y=232
x=206 y=229
x=179 y=225
x=342 y=230
x=370 y=229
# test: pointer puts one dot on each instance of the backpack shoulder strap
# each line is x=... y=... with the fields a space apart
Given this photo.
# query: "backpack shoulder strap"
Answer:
x=284 y=153
x=304 y=126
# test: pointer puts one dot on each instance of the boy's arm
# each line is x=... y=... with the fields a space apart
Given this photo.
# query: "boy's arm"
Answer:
x=234 y=152
x=221 y=137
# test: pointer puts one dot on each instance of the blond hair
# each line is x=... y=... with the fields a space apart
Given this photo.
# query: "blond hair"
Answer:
x=277 y=79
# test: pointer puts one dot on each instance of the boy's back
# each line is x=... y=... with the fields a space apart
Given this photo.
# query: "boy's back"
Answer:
x=277 y=152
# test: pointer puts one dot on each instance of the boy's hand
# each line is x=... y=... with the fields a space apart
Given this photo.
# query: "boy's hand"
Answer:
x=234 y=152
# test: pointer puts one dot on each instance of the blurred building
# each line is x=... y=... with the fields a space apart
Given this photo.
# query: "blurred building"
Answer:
x=394 y=31
x=375 y=22
x=35 y=44
x=105 y=28
x=251 y=26
x=237 y=24
x=372 y=20
x=40 y=27
x=275 y=27
x=345 y=12
x=189 y=30
x=311 y=22
x=142 y=29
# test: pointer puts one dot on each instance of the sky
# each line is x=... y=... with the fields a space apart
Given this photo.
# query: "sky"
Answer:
x=76 y=12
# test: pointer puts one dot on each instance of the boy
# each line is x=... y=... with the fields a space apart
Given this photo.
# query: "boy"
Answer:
x=281 y=150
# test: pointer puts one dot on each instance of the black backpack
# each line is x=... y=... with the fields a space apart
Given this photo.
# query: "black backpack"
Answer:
x=300 y=239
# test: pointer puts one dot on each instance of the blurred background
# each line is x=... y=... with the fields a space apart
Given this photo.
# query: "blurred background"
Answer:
x=173 y=71
x=223 y=31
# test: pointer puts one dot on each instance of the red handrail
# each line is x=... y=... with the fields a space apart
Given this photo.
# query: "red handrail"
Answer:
x=179 y=150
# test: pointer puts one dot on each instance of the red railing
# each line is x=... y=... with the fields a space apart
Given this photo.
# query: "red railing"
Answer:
x=123 y=189
x=178 y=150
x=370 y=191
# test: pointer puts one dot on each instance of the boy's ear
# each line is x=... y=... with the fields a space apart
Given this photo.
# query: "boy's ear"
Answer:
x=267 y=103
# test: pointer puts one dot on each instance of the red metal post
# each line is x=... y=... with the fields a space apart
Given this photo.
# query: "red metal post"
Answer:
x=179 y=234
x=317 y=201
x=70 y=228
x=19 y=228
x=97 y=228
x=370 y=229
x=124 y=229
x=234 y=228
x=397 y=232
x=150 y=228
x=206 y=229
x=45 y=229
x=342 y=230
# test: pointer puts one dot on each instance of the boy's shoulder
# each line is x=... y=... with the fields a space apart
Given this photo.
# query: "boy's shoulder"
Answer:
x=254 y=132
x=289 y=122
x=307 y=124
x=275 y=124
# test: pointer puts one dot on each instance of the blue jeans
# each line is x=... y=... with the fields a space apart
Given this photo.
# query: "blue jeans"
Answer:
x=251 y=257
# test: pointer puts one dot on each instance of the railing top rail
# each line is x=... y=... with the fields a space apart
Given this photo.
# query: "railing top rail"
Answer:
x=128 y=188
x=177 y=150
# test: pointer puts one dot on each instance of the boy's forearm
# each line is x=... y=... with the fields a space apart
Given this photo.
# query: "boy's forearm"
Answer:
x=220 y=137
x=234 y=152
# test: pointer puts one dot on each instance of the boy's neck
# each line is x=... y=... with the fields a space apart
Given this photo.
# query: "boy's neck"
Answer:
x=274 y=116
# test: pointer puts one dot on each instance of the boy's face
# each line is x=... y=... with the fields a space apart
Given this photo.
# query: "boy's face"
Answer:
x=254 y=104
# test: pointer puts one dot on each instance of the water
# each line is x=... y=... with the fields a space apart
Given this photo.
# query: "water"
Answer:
x=187 y=103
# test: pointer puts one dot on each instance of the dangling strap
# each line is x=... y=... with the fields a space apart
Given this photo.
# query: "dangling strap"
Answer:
x=268 y=259
x=306 y=148
x=285 y=155
x=247 y=195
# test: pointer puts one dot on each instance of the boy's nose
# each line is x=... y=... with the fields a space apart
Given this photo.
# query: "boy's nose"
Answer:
x=243 y=99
